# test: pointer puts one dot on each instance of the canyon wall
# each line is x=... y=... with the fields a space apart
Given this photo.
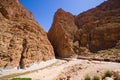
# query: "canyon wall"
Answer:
x=22 y=41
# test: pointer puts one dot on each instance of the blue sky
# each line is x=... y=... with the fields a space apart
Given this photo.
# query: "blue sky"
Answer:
x=43 y=10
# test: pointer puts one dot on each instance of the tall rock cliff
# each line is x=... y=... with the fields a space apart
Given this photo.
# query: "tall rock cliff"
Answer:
x=22 y=41
x=62 y=33
x=98 y=29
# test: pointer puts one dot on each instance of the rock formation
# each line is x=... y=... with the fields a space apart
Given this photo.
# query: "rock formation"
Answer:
x=22 y=41
x=62 y=33
x=98 y=29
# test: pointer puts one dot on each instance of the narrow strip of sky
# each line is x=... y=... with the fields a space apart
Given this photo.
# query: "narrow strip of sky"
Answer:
x=43 y=10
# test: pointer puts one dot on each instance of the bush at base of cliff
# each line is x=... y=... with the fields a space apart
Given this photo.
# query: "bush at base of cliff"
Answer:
x=87 y=77
x=96 y=78
x=108 y=73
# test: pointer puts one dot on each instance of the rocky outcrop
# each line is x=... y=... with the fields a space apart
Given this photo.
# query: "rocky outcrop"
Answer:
x=61 y=34
x=22 y=41
x=98 y=29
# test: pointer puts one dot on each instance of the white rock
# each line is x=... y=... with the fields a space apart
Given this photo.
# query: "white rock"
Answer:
x=108 y=78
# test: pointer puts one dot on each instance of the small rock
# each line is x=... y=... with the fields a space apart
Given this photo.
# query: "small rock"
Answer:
x=108 y=78
x=68 y=77
x=98 y=71
x=0 y=70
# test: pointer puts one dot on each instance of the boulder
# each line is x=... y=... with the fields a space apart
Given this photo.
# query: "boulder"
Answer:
x=22 y=41
x=108 y=78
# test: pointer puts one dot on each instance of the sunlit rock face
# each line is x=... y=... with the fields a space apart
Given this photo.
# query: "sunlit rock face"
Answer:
x=96 y=29
x=62 y=32
x=100 y=26
x=22 y=41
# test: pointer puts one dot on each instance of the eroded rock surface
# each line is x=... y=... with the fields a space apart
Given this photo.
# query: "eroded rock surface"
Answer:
x=98 y=29
x=61 y=34
x=22 y=41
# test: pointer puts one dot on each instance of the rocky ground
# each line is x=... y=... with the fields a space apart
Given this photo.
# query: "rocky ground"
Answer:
x=71 y=69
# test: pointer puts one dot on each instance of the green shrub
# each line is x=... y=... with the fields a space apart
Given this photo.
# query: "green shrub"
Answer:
x=87 y=77
x=21 y=79
x=96 y=78
x=108 y=73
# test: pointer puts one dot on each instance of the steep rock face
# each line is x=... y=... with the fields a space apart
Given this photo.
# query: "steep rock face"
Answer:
x=13 y=10
x=99 y=28
x=22 y=41
x=61 y=34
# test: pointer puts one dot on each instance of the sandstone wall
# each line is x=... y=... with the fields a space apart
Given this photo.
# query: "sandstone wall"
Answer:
x=62 y=32
x=22 y=41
